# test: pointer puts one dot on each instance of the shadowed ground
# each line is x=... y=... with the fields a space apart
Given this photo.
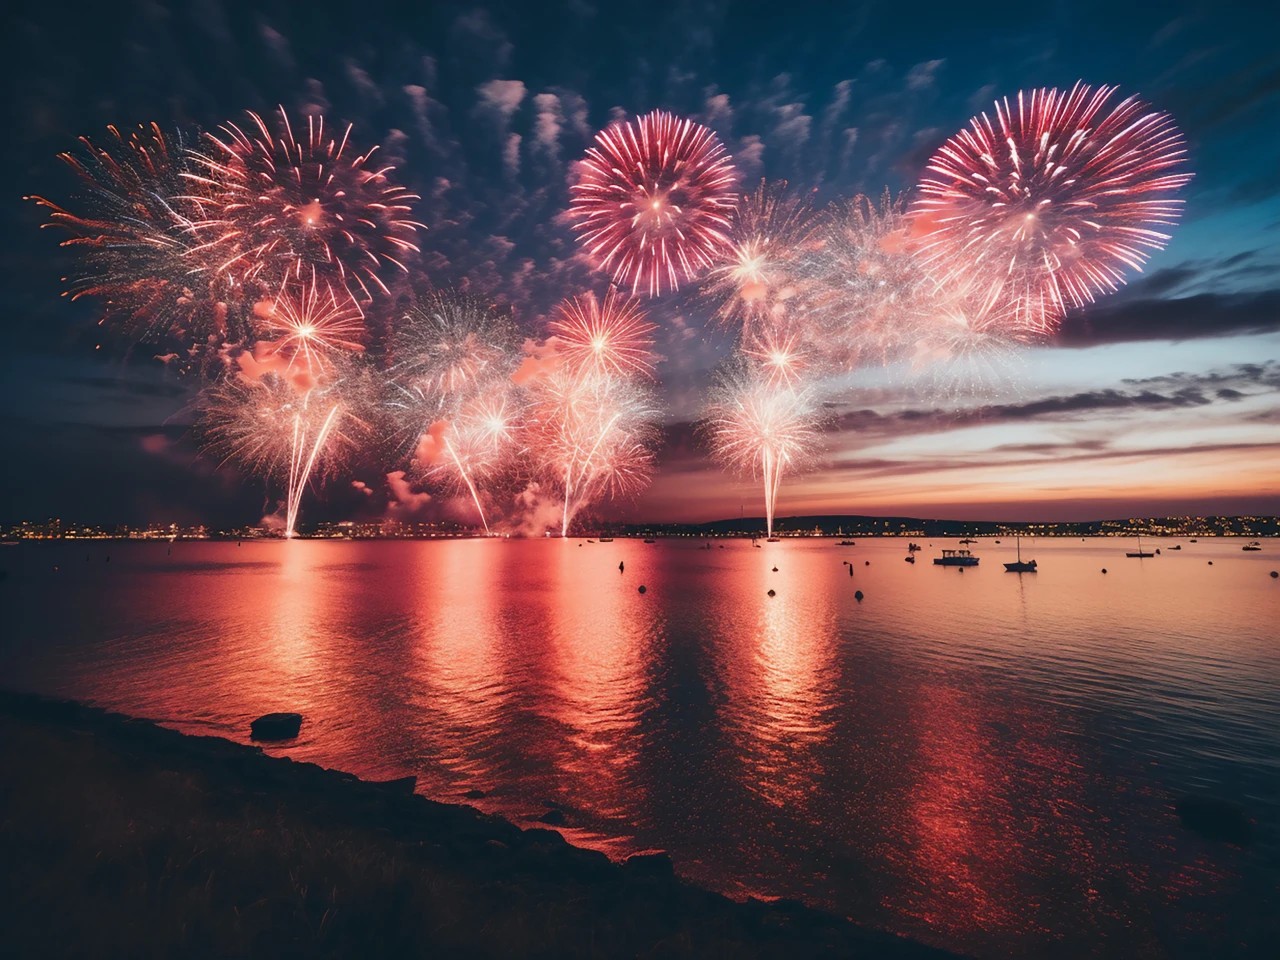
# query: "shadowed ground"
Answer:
x=122 y=838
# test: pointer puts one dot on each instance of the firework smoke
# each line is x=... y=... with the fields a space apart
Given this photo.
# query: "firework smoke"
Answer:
x=652 y=202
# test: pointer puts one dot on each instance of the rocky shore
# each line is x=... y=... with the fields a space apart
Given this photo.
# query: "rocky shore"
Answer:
x=120 y=837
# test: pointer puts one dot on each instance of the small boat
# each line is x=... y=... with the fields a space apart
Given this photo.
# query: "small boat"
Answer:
x=606 y=539
x=1139 y=553
x=910 y=558
x=1193 y=540
x=1253 y=547
x=648 y=541
x=968 y=541
x=846 y=543
x=913 y=548
x=771 y=540
x=956 y=558
x=1176 y=547
x=1019 y=566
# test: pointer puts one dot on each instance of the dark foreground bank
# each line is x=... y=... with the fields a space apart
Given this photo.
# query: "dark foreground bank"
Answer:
x=122 y=838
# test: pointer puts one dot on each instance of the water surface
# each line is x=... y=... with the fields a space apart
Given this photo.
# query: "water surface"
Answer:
x=980 y=760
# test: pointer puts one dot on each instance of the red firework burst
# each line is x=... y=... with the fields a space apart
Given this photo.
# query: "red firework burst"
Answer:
x=1053 y=200
x=308 y=324
x=277 y=207
x=653 y=200
x=607 y=336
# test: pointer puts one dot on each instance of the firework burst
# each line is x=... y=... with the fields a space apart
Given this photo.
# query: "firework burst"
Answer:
x=137 y=254
x=449 y=343
x=759 y=277
x=762 y=430
x=275 y=206
x=1053 y=200
x=653 y=200
x=866 y=285
x=309 y=324
x=609 y=335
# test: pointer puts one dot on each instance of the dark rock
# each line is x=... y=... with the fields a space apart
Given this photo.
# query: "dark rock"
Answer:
x=1215 y=819
x=474 y=795
x=553 y=817
x=276 y=726
x=656 y=864
x=404 y=785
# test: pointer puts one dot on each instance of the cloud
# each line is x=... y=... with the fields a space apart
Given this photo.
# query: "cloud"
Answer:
x=1187 y=318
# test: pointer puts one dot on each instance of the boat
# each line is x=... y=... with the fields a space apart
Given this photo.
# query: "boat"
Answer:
x=1176 y=547
x=1019 y=565
x=910 y=558
x=1193 y=540
x=913 y=548
x=606 y=539
x=771 y=540
x=1139 y=553
x=956 y=558
x=648 y=541
x=1252 y=547
x=846 y=543
x=968 y=541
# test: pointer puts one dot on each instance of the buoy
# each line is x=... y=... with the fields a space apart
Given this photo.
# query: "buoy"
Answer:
x=775 y=569
x=621 y=565
x=868 y=563
x=1275 y=574
x=772 y=594
x=857 y=595
x=1104 y=569
x=1211 y=563
x=643 y=588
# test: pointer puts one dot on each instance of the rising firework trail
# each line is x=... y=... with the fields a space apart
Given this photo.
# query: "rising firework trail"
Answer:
x=1052 y=201
x=762 y=430
x=278 y=206
x=608 y=335
x=593 y=434
x=652 y=202
x=274 y=429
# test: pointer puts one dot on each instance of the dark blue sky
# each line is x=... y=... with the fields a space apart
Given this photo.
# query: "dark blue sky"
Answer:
x=484 y=106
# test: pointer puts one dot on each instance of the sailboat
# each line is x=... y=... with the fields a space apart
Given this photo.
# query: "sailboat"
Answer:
x=1139 y=553
x=1019 y=565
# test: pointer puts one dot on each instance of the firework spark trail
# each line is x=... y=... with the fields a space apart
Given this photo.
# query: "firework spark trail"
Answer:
x=652 y=201
x=756 y=284
x=300 y=471
x=609 y=335
x=1053 y=199
x=274 y=207
x=762 y=430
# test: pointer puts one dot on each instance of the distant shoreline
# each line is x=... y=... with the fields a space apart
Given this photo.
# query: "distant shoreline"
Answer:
x=130 y=835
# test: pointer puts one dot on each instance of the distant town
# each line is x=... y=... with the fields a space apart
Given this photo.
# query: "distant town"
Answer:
x=809 y=526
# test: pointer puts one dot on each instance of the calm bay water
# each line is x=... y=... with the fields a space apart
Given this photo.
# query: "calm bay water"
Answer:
x=980 y=760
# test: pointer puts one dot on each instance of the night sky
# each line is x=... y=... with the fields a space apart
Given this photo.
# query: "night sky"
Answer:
x=1164 y=398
